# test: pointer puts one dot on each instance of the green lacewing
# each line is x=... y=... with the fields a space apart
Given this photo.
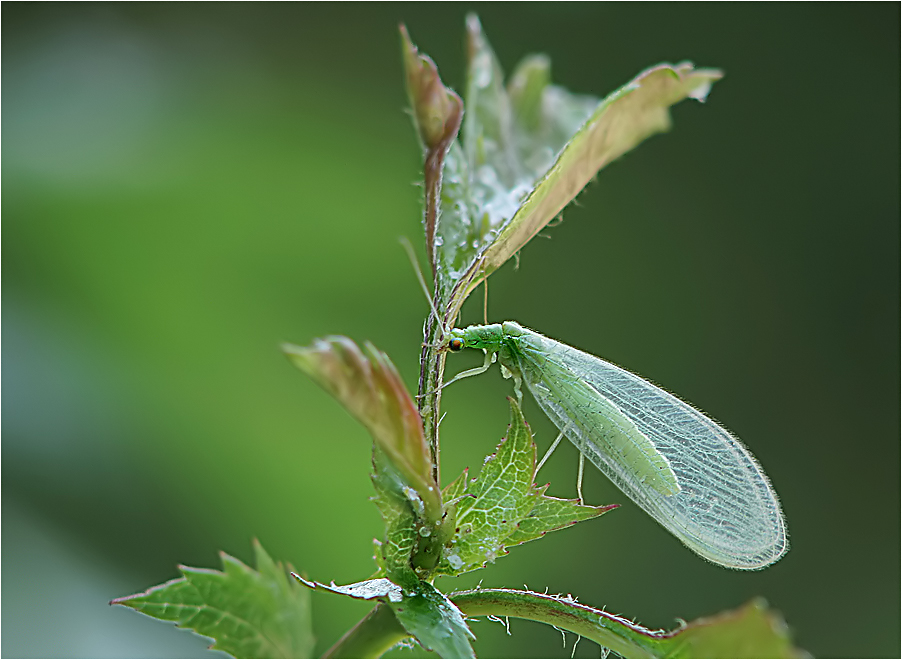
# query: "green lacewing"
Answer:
x=688 y=472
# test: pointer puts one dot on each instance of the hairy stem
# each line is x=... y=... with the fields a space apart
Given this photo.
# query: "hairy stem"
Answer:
x=608 y=630
x=432 y=369
x=379 y=630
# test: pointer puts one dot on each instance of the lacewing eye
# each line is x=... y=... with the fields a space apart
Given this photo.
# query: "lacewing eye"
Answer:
x=456 y=344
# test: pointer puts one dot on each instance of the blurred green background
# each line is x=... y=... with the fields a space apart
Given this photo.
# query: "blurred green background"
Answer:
x=187 y=185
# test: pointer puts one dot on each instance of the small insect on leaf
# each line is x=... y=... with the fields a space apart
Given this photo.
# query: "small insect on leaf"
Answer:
x=688 y=472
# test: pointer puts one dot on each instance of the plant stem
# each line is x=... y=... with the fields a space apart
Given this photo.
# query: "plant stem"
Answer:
x=373 y=635
x=624 y=637
x=379 y=630
x=432 y=369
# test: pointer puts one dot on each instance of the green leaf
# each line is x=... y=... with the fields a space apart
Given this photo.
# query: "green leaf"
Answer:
x=248 y=613
x=435 y=622
x=402 y=511
x=368 y=385
x=456 y=489
x=423 y=611
x=503 y=507
x=619 y=123
x=526 y=150
x=498 y=500
x=752 y=631
x=551 y=513
x=508 y=142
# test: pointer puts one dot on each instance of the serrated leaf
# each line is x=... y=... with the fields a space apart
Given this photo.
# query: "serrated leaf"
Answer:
x=435 y=622
x=503 y=495
x=457 y=488
x=402 y=512
x=248 y=613
x=368 y=385
x=550 y=514
x=526 y=150
x=503 y=507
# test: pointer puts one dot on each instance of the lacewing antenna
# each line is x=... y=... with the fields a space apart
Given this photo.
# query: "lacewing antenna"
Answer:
x=405 y=243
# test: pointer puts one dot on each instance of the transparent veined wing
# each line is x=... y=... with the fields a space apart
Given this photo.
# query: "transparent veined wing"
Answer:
x=725 y=509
